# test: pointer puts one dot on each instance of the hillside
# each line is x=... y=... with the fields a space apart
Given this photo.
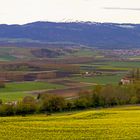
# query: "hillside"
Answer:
x=105 y=124
x=103 y=35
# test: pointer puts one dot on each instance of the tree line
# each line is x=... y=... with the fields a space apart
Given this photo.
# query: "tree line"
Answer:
x=100 y=96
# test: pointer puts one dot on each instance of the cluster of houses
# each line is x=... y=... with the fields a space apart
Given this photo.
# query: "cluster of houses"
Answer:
x=91 y=74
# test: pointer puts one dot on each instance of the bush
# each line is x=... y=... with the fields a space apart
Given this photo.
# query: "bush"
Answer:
x=96 y=100
x=2 y=84
x=0 y=102
x=81 y=103
x=29 y=100
x=134 y=100
x=69 y=105
x=27 y=106
x=24 y=109
x=6 y=110
x=52 y=103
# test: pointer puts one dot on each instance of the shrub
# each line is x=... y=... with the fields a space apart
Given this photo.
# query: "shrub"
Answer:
x=0 y=102
x=23 y=109
x=6 y=110
x=52 y=103
x=2 y=84
x=27 y=106
x=134 y=100
x=69 y=105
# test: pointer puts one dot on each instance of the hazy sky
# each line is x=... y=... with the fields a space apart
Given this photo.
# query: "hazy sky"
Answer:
x=23 y=11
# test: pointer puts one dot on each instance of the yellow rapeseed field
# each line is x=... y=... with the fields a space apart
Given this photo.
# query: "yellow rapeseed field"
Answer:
x=104 y=124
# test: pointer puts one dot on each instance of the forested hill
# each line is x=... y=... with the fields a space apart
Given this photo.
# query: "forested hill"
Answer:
x=105 y=35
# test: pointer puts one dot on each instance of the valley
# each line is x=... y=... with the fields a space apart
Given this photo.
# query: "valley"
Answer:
x=69 y=70
x=73 y=70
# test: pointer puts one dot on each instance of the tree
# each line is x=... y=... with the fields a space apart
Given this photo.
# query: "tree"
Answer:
x=84 y=100
x=2 y=84
x=29 y=100
x=137 y=73
x=52 y=103
x=81 y=103
x=0 y=102
x=6 y=110
x=69 y=105
x=134 y=100
x=95 y=100
x=27 y=106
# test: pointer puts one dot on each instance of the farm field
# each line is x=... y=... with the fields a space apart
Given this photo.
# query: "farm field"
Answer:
x=71 y=87
x=111 y=79
x=13 y=96
x=131 y=64
x=16 y=91
x=86 y=52
x=111 y=65
x=29 y=86
x=14 y=53
x=103 y=124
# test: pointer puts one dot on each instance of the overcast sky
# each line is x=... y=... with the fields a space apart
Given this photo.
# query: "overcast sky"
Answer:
x=24 y=11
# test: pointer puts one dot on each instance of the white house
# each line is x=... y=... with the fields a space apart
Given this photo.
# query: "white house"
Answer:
x=126 y=81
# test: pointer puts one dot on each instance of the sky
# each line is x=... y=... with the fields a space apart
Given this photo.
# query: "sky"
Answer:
x=25 y=11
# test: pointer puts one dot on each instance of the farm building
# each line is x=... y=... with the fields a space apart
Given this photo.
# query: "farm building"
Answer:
x=91 y=74
x=126 y=81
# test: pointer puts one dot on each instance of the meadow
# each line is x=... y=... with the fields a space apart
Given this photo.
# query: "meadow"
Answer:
x=16 y=91
x=13 y=96
x=14 y=53
x=101 y=124
x=111 y=65
x=109 y=79
x=28 y=86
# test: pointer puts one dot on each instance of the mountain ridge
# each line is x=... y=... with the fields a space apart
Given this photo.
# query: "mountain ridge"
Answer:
x=94 y=34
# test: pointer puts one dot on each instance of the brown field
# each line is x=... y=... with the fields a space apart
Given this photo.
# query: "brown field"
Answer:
x=72 y=88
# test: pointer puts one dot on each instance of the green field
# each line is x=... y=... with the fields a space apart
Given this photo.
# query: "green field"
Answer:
x=13 y=96
x=131 y=64
x=14 y=53
x=16 y=91
x=29 y=86
x=7 y=58
x=112 y=65
x=105 y=124
x=86 y=52
x=113 y=79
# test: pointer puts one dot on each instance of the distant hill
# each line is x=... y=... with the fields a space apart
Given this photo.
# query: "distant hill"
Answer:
x=102 y=35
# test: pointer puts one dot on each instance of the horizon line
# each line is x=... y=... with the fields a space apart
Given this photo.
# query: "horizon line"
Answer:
x=74 y=21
